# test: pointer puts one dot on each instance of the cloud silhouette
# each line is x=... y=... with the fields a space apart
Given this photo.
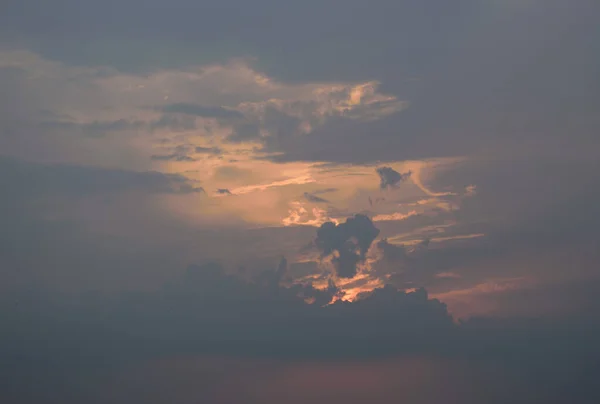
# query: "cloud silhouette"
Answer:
x=388 y=177
x=348 y=242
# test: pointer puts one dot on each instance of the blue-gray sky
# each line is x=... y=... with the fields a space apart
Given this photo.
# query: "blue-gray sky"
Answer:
x=427 y=169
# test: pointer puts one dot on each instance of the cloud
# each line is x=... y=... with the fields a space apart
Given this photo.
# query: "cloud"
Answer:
x=450 y=82
x=393 y=216
x=213 y=309
x=224 y=191
x=63 y=104
x=273 y=279
x=95 y=128
x=208 y=311
x=200 y=110
x=447 y=275
x=324 y=191
x=299 y=180
x=19 y=177
x=174 y=123
x=172 y=157
x=313 y=198
x=95 y=120
x=389 y=177
x=298 y=215
x=392 y=253
x=348 y=242
x=208 y=150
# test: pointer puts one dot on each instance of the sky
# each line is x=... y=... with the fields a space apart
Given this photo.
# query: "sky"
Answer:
x=335 y=201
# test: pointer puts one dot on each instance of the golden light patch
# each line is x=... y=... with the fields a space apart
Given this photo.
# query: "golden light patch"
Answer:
x=350 y=294
x=300 y=216
x=394 y=216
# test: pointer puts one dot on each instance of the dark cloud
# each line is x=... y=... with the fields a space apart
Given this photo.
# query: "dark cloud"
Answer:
x=388 y=177
x=317 y=297
x=244 y=132
x=21 y=178
x=273 y=279
x=445 y=75
x=210 y=307
x=376 y=201
x=208 y=150
x=407 y=265
x=350 y=242
x=324 y=191
x=391 y=252
x=172 y=157
x=96 y=128
x=206 y=312
x=223 y=191
x=177 y=123
x=279 y=124
x=271 y=129
x=512 y=84
x=200 y=110
x=313 y=198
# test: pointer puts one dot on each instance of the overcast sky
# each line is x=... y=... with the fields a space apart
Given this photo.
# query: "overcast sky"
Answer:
x=267 y=201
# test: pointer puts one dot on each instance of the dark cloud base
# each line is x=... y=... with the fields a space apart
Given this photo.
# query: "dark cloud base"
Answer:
x=66 y=348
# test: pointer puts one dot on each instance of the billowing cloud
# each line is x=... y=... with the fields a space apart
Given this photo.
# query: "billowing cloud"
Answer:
x=299 y=215
x=348 y=242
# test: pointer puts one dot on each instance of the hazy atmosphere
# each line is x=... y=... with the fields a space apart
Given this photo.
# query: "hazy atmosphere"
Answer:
x=288 y=202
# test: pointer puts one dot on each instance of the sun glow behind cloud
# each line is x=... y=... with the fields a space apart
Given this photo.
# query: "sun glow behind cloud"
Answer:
x=213 y=125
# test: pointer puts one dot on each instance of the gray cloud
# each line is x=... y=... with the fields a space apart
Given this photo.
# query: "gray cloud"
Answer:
x=389 y=177
x=205 y=290
x=208 y=150
x=172 y=157
x=223 y=191
x=96 y=128
x=509 y=85
x=200 y=110
x=206 y=312
x=313 y=198
x=244 y=132
x=17 y=177
x=350 y=240
x=324 y=191
x=174 y=123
